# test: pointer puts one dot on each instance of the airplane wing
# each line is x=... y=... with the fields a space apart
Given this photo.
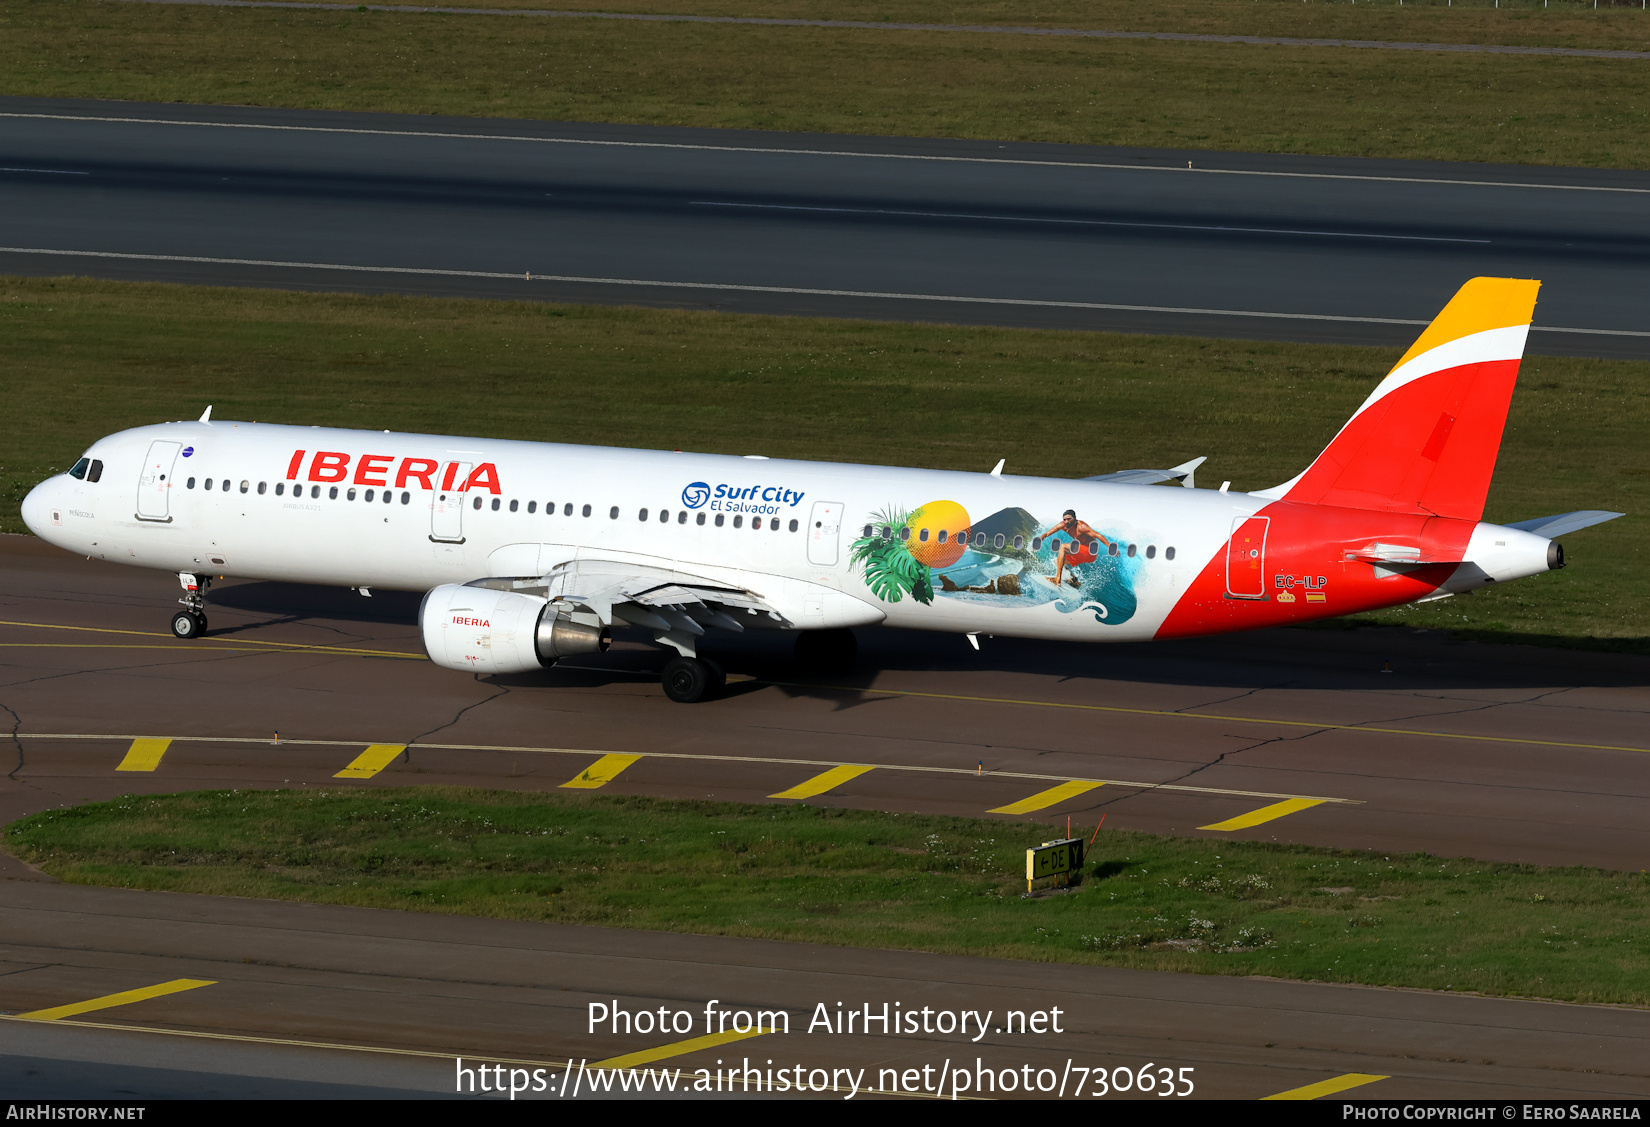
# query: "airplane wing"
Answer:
x=1565 y=522
x=677 y=606
x=1181 y=473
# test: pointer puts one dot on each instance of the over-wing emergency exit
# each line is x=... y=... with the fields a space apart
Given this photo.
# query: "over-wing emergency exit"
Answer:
x=532 y=552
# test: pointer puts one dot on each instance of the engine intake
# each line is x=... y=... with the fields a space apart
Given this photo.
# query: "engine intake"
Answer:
x=487 y=631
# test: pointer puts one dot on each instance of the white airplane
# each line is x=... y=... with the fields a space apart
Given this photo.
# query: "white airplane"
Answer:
x=529 y=552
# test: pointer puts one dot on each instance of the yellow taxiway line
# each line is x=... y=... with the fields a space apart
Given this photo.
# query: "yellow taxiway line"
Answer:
x=144 y=755
x=1327 y=1087
x=371 y=761
x=124 y=998
x=1042 y=800
x=1264 y=814
x=601 y=772
x=830 y=780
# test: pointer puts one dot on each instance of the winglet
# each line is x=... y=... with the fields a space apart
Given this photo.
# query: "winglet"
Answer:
x=1186 y=469
x=206 y=415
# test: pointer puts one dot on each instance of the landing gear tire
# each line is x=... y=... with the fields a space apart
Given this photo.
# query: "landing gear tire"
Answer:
x=188 y=624
x=826 y=651
x=689 y=680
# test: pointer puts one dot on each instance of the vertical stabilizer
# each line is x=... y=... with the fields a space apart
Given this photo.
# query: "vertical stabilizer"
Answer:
x=1426 y=439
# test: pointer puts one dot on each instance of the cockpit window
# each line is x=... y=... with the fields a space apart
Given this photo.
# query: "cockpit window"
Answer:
x=95 y=474
x=79 y=468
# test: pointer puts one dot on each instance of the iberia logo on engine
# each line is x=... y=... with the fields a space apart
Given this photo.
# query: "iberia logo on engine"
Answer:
x=460 y=620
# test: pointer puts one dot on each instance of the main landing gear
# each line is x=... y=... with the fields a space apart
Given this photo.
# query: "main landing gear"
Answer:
x=190 y=622
x=692 y=679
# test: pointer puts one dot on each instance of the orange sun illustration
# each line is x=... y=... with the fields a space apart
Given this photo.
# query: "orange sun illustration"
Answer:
x=937 y=516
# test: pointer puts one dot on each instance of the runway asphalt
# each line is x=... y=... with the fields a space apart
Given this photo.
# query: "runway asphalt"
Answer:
x=1273 y=247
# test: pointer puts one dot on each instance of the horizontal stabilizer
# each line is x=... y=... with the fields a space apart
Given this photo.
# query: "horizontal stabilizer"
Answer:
x=1181 y=473
x=1565 y=522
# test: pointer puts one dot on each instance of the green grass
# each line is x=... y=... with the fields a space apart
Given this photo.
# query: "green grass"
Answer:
x=868 y=879
x=1567 y=111
x=86 y=358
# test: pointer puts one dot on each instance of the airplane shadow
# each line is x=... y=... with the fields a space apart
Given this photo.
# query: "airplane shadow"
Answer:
x=1321 y=658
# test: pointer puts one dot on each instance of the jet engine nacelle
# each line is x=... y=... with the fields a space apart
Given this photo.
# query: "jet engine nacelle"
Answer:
x=487 y=631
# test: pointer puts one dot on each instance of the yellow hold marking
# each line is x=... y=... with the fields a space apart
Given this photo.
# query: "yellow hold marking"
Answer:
x=601 y=772
x=830 y=780
x=678 y=1048
x=370 y=762
x=1044 y=799
x=143 y=755
x=1264 y=814
x=1327 y=1087
x=124 y=998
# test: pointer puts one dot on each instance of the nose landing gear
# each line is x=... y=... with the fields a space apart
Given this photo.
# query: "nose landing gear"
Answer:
x=190 y=622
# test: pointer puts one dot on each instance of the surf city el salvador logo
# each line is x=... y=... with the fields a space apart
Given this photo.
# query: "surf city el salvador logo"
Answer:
x=740 y=498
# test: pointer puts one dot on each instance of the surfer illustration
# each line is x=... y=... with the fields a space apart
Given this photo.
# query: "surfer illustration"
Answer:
x=1082 y=536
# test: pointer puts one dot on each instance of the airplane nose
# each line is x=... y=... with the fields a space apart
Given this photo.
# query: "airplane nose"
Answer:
x=37 y=508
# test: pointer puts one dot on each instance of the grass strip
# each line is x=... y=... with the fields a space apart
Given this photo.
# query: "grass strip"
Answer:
x=1338 y=101
x=871 y=879
x=85 y=358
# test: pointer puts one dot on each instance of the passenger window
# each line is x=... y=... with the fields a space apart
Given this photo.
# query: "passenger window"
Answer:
x=738 y=521
x=942 y=536
x=641 y=514
x=1131 y=551
x=1036 y=543
x=719 y=518
x=513 y=505
x=664 y=516
x=1019 y=542
x=190 y=483
x=350 y=496
x=263 y=485
x=998 y=541
x=367 y=496
x=700 y=519
x=405 y=497
x=793 y=526
x=887 y=532
x=613 y=513
x=1110 y=548
x=979 y=539
x=905 y=534
x=208 y=484
x=532 y=506
x=681 y=517
x=245 y=486
x=280 y=488
x=332 y=493
x=1168 y=553
x=476 y=505
x=869 y=531
x=923 y=536
x=1151 y=551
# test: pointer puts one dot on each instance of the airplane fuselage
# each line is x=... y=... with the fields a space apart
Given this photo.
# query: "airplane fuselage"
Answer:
x=828 y=544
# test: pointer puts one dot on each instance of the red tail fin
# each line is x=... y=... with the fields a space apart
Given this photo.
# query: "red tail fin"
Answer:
x=1426 y=440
